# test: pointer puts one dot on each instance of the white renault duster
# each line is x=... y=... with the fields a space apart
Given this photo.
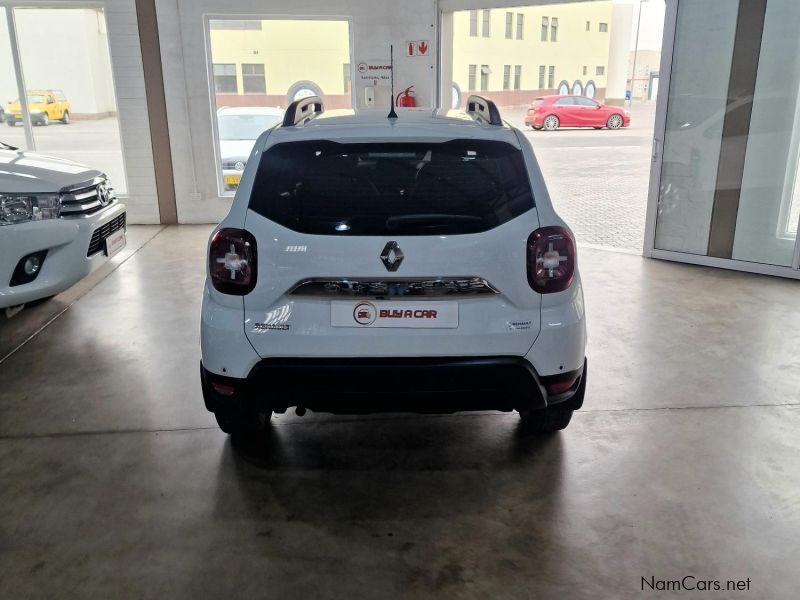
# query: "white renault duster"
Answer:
x=59 y=221
x=392 y=264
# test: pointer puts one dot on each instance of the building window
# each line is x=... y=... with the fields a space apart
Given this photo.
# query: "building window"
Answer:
x=225 y=79
x=554 y=29
x=520 y=26
x=506 y=77
x=545 y=27
x=542 y=70
x=603 y=27
x=551 y=77
x=486 y=17
x=600 y=71
x=509 y=25
x=585 y=69
x=253 y=81
x=473 y=23
x=473 y=73
x=518 y=77
x=485 y=77
x=588 y=26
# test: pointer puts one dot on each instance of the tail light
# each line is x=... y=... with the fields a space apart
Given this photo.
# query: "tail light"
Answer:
x=232 y=261
x=551 y=260
x=561 y=386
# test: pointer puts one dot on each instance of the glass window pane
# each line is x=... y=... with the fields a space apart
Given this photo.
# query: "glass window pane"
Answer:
x=10 y=111
x=697 y=105
x=766 y=225
x=327 y=188
x=67 y=68
x=259 y=67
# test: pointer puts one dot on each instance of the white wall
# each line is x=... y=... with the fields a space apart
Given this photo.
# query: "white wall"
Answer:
x=618 y=52
x=375 y=24
x=134 y=125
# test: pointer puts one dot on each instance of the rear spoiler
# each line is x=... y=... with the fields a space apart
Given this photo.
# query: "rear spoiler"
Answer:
x=483 y=109
x=302 y=111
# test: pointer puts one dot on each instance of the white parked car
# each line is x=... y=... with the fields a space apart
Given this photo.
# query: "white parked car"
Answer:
x=238 y=130
x=59 y=221
x=376 y=264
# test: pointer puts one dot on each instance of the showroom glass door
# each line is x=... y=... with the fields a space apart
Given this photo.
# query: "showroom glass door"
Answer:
x=725 y=183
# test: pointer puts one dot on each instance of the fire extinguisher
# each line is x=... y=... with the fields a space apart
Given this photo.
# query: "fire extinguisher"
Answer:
x=406 y=98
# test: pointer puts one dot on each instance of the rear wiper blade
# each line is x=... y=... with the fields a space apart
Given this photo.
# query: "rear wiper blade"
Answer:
x=9 y=146
x=429 y=219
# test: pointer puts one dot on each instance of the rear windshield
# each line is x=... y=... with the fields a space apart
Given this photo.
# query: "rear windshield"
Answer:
x=245 y=127
x=328 y=188
x=538 y=102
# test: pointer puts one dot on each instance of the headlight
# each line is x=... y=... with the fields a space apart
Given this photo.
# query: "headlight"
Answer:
x=34 y=207
x=35 y=111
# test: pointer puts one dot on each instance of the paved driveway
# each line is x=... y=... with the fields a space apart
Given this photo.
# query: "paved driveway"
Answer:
x=598 y=179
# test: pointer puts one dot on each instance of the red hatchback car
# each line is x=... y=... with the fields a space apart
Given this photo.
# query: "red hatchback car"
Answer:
x=552 y=112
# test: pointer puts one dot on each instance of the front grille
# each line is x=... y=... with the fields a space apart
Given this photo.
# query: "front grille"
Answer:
x=101 y=233
x=87 y=199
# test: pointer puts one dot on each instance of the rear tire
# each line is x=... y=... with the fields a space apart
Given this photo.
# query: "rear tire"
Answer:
x=550 y=123
x=545 y=420
x=614 y=121
x=65 y=118
x=11 y=123
x=237 y=422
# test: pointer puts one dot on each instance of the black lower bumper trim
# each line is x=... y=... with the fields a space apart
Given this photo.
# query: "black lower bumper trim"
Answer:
x=369 y=385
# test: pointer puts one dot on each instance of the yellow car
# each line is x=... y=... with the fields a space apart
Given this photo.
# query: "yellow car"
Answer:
x=44 y=105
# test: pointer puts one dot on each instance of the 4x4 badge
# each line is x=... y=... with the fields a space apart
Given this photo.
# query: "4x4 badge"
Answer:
x=392 y=256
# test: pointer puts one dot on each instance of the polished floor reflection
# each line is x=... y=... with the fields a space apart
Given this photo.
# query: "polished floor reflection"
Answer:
x=683 y=462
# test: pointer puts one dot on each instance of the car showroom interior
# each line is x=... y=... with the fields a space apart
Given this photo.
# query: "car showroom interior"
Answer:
x=366 y=299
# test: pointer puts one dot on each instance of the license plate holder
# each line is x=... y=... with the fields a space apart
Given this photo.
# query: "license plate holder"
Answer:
x=391 y=314
x=115 y=242
x=233 y=180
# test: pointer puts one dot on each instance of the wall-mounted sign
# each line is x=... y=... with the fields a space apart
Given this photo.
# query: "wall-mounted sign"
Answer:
x=374 y=72
x=418 y=48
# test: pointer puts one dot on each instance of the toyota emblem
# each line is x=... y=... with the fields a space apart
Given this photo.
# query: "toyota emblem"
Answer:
x=103 y=195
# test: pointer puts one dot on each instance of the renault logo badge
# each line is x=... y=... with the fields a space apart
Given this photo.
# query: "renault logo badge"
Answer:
x=392 y=256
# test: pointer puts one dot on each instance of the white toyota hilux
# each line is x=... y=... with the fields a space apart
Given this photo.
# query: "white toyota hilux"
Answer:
x=374 y=264
x=59 y=221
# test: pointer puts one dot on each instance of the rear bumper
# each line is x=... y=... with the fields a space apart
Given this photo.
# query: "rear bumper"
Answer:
x=372 y=385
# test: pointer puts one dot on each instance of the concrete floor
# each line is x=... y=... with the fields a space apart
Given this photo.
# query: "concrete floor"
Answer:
x=117 y=483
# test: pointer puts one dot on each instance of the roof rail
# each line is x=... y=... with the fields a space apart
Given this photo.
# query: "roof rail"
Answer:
x=483 y=109
x=302 y=111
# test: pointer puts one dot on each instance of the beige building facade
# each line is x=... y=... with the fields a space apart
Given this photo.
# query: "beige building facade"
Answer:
x=271 y=62
x=514 y=54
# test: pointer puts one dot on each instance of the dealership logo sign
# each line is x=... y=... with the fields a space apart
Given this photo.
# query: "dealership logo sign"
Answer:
x=365 y=313
x=374 y=72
